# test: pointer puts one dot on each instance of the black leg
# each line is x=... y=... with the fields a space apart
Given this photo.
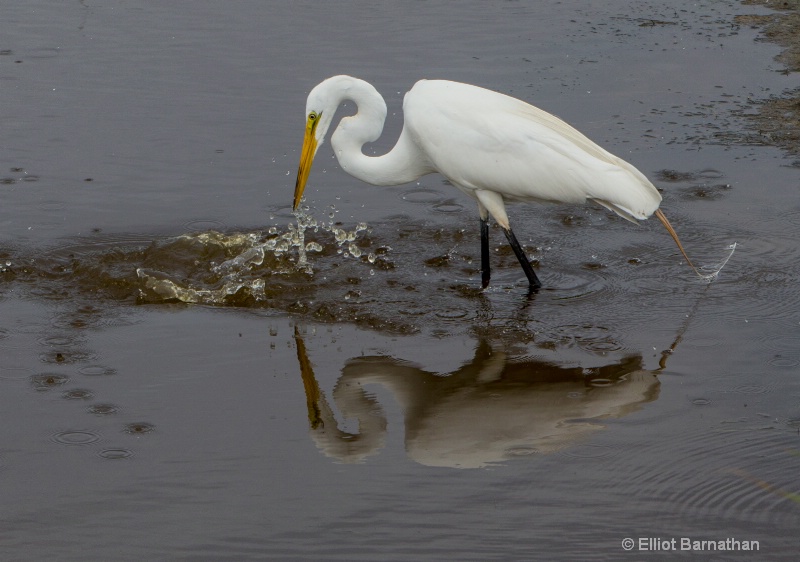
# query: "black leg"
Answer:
x=523 y=259
x=486 y=272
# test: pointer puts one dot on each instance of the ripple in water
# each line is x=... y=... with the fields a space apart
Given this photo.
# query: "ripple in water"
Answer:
x=783 y=361
x=139 y=428
x=521 y=451
x=76 y=437
x=722 y=481
x=452 y=314
x=14 y=373
x=202 y=225
x=102 y=409
x=422 y=195
x=97 y=371
x=66 y=356
x=595 y=339
x=448 y=207
x=58 y=341
x=753 y=388
x=589 y=451
x=78 y=394
x=48 y=381
x=115 y=454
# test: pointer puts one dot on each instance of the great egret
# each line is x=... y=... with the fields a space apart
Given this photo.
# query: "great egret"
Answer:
x=493 y=147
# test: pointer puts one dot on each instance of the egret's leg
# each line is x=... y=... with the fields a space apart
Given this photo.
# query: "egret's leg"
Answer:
x=486 y=272
x=491 y=202
x=523 y=259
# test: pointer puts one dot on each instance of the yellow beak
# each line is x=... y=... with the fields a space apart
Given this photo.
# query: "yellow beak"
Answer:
x=306 y=159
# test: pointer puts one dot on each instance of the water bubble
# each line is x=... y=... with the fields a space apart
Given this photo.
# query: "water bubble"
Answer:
x=371 y=257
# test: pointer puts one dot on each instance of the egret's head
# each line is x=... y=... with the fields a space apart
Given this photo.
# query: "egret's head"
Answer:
x=310 y=144
x=320 y=108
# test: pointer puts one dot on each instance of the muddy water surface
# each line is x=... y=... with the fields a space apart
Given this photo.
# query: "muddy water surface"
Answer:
x=188 y=371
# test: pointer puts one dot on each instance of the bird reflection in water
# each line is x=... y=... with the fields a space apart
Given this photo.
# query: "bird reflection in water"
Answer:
x=488 y=411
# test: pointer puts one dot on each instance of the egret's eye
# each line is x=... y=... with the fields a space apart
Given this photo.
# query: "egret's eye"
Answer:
x=312 y=116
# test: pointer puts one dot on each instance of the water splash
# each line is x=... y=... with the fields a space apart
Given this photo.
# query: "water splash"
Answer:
x=235 y=268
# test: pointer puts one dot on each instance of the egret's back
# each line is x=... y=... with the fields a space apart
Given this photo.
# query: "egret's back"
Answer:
x=480 y=139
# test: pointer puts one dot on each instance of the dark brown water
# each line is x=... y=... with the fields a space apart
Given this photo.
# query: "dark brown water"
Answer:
x=187 y=372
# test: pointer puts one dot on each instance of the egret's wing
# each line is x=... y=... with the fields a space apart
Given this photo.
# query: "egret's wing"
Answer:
x=480 y=139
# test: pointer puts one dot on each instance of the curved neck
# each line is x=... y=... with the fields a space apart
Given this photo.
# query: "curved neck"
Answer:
x=404 y=163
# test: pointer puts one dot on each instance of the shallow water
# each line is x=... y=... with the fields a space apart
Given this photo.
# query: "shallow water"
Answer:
x=185 y=376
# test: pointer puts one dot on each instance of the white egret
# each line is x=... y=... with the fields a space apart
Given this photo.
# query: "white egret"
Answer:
x=493 y=147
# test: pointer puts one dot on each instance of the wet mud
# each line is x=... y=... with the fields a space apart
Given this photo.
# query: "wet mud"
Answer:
x=776 y=121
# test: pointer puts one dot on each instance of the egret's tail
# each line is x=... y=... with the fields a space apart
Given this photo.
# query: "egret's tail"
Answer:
x=713 y=271
x=674 y=235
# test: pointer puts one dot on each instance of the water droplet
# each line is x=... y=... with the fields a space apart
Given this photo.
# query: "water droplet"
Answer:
x=355 y=251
